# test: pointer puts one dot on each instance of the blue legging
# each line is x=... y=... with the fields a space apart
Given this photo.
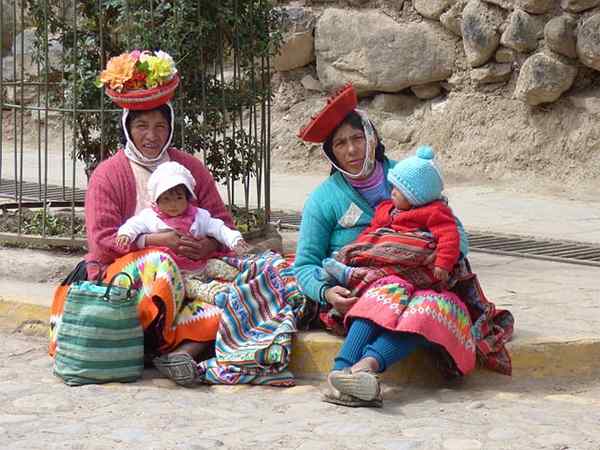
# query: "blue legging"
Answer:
x=368 y=339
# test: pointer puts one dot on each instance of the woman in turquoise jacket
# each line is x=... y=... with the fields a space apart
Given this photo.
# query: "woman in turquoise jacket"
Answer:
x=334 y=215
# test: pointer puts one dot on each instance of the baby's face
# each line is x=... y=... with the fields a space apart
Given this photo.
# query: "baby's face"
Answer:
x=399 y=200
x=173 y=202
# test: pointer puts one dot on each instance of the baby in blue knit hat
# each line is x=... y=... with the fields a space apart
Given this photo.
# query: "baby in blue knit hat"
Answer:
x=416 y=208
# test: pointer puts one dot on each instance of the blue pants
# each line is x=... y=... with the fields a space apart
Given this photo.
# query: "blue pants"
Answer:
x=368 y=339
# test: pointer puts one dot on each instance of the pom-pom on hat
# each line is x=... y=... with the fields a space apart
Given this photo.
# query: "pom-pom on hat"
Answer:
x=338 y=106
x=168 y=175
x=418 y=178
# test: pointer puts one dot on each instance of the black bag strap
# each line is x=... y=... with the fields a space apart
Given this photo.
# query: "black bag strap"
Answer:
x=79 y=273
x=111 y=284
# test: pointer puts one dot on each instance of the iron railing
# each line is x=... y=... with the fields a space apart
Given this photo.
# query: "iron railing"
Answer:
x=52 y=134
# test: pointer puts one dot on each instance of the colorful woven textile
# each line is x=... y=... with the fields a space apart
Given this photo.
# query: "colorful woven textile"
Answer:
x=162 y=311
x=440 y=317
x=385 y=252
x=492 y=328
x=259 y=314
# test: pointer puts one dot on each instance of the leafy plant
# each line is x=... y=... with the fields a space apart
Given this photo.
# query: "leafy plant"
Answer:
x=205 y=38
x=36 y=222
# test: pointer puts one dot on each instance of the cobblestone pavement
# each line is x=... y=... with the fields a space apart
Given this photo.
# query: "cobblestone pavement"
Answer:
x=37 y=411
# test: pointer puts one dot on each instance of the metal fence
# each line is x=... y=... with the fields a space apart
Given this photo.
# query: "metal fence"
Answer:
x=57 y=126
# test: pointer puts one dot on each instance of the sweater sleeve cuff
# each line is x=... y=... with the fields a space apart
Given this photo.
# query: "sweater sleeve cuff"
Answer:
x=322 y=299
x=141 y=241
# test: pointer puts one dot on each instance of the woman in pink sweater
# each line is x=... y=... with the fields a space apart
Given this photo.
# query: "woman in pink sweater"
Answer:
x=176 y=335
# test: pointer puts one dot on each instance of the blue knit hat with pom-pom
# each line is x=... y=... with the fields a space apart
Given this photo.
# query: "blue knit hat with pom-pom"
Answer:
x=418 y=178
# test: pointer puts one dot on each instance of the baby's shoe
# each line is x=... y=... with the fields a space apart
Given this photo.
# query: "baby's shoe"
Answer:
x=206 y=292
x=218 y=269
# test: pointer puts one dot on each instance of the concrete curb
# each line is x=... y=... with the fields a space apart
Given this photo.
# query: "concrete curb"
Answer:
x=314 y=351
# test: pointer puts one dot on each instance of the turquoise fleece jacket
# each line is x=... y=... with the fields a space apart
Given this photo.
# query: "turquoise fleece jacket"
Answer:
x=333 y=216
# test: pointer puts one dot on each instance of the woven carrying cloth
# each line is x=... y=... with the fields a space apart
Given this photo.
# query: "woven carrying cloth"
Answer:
x=387 y=267
x=384 y=252
x=260 y=310
x=100 y=339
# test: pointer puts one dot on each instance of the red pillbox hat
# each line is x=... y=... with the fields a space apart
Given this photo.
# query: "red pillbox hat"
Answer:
x=338 y=106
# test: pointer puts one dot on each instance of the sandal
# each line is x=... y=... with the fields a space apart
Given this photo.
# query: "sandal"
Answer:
x=362 y=384
x=179 y=367
x=338 y=398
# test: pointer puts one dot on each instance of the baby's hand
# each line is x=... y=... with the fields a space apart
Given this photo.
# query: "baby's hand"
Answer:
x=241 y=247
x=441 y=274
x=123 y=241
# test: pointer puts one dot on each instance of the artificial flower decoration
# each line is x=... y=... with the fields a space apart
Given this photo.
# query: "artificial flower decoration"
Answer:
x=137 y=70
x=119 y=70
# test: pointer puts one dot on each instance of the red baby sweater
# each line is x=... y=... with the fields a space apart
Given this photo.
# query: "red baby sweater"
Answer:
x=111 y=199
x=434 y=217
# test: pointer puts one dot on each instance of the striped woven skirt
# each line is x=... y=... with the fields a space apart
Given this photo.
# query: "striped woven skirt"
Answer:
x=164 y=314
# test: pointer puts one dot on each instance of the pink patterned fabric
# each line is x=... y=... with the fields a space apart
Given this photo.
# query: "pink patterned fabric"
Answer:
x=440 y=317
x=181 y=223
x=111 y=199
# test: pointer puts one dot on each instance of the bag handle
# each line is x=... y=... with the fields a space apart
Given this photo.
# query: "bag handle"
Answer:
x=111 y=284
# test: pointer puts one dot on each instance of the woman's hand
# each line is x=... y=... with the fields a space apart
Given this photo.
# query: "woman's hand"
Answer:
x=428 y=262
x=339 y=298
x=123 y=241
x=182 y=245
x=441 y=274
x=196 y=248
x=169 y=239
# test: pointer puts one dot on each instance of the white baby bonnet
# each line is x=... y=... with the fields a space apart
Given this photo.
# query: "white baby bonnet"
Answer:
x=168 y=175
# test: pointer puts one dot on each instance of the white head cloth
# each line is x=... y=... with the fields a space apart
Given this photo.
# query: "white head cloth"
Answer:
x=371 y=144
x=138 y=157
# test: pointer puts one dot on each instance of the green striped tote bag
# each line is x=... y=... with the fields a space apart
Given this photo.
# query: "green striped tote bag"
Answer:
x=99 y=339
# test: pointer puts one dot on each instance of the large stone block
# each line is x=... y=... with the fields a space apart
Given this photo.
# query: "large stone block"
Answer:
x=588 y=42
x=535 y=6
x=521 y=32
x=492 y=73
x=543 y=79
x=578 y=5
x=432 y=9
x=559 y=34
x=297 y=49
x=452 y=19
x=376 y=53
x=480 y=25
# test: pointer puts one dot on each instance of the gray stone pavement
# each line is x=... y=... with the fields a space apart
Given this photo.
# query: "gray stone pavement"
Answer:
x=37 y=411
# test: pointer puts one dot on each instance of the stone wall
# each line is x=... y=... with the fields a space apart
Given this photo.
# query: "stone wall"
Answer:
x=504 y=90
x=435 y=45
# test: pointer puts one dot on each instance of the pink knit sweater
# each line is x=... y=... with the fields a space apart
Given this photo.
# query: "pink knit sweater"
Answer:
x=111 y=199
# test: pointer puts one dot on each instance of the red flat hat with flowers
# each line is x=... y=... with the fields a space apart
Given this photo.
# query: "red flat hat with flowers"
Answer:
x=338 y=106
x=140 y=79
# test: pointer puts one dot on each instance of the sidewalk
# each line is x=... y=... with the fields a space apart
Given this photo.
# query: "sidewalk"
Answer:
x=556 y=305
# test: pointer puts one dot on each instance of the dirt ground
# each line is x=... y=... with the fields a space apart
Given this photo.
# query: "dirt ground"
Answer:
x=480 y=136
